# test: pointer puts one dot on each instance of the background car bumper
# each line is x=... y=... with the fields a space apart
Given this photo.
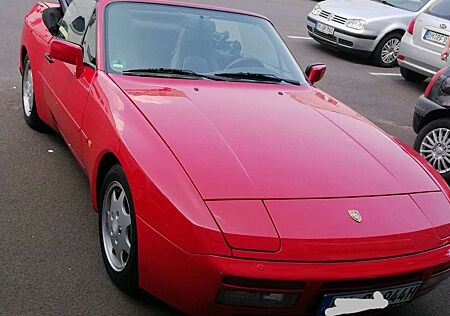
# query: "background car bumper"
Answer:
x=191 y=282
x=419 y=59
x=361 y=44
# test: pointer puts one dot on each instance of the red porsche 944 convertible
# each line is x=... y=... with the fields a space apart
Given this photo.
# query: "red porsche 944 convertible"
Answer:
x=225 y=182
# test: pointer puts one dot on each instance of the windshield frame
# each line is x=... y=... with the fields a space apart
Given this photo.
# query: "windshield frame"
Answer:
x=107 y=68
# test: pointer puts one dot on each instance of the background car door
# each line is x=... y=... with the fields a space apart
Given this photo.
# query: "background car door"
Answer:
x=69 y=93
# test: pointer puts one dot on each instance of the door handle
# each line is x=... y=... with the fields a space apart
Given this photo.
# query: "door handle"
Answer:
x=49 y=59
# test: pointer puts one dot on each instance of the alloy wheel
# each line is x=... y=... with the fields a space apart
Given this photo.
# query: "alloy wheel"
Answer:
x=27 y=90
x=435 y=148
x=116 y=226
x=390 y=50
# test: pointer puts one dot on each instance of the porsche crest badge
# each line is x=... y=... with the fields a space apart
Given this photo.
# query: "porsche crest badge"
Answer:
x=355 y=215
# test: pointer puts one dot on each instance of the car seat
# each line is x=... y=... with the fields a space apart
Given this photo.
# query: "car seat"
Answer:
x=195 y=47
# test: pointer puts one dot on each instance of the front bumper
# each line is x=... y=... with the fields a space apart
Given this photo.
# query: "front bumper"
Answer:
x=191 y=282
x=353 y=42
x=418 y=58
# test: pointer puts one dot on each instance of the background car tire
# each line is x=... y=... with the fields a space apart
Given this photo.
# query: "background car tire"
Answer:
x=30 y=112
x=125 y=278
x=391 y=40
x=443 y=124
x=412 y=76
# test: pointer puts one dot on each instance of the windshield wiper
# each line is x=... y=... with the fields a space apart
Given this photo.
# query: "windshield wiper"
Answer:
x=256 y=77
x=166 y=71
x=218 y=76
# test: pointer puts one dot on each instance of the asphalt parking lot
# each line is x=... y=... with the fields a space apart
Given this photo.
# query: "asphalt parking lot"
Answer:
x=50 y=261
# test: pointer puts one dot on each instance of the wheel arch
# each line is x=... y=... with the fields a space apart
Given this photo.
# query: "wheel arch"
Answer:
x=393 y=27
x=23 y=53
x=390 y=31
x=395 y=30
x=105 y=164
x=381 y=40
x=434 y=115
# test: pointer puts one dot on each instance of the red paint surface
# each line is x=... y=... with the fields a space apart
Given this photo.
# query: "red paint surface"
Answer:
x=246 y=225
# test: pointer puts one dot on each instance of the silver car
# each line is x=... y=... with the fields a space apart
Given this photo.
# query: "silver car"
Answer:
x=370 y=28
x=420 y=49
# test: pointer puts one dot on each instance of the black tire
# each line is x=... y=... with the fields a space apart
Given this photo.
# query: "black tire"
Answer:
x=126 y=279
x=377 y=59
x=427 y=129
x=412 y=76
x=31 y=116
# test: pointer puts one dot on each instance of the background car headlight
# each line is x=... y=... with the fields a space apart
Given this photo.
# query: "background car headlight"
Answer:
x=356 y=24
x=317 y=10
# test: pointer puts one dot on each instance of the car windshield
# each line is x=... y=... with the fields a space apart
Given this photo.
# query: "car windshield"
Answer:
x=410 y=5
x=145 y=39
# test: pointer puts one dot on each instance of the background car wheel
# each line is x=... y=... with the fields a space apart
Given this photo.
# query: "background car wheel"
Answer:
x=28 y=101
x=386 y=53
x=433 y=143
x=412 y=76
x=117 y=228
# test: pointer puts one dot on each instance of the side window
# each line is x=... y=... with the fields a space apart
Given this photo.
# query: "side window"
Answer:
x=76 y=19
x=90 y=42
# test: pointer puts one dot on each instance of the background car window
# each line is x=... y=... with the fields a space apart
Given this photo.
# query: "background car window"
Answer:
x=440 y=9
x=76 y=19
x=90 y=42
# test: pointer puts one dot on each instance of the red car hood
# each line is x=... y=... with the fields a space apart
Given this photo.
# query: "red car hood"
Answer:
x=244 y=140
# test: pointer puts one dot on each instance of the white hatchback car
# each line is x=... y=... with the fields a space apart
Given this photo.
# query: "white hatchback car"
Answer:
x=421 y=46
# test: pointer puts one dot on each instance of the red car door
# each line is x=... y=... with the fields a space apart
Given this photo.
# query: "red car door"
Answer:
x=69 y=93
x=37 y=37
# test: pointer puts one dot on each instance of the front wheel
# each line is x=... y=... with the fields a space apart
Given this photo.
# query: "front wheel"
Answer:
x=117 y=227
x=433 y=143
x=412 y=76
x=28 y=101
x=386 y=53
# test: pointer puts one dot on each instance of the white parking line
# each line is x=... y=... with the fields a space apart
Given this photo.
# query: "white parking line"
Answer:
x=300 y=37
x=387 y=74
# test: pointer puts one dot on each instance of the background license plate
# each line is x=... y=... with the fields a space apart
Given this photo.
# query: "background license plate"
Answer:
x=435 y=37
x=396 y=295
x=326 y=29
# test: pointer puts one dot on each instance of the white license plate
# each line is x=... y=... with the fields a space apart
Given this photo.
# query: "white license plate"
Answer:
x=435 y=37
x=395 y=295
x=325 y=29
